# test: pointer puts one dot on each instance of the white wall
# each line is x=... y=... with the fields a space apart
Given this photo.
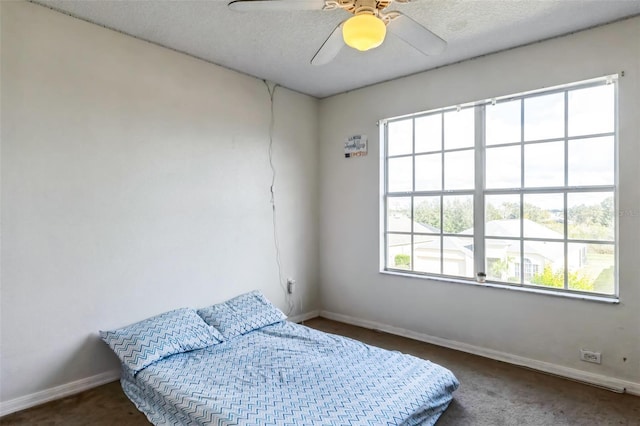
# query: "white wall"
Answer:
x=544 y=328
x=135 y=180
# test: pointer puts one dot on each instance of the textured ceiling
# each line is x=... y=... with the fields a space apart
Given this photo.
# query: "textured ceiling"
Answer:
x=278 y=46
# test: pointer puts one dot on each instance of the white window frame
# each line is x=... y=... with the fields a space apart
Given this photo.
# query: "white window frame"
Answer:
x=480 y=191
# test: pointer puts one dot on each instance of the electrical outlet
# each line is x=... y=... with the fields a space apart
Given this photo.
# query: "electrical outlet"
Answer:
x=589 y=356
x=291 y=285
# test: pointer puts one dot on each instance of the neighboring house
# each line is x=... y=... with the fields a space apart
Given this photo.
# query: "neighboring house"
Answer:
x=457 y=253
x=537 y=254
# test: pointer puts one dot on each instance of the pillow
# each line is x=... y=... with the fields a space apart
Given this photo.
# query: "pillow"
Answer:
x=242 y=314
x=143 y=343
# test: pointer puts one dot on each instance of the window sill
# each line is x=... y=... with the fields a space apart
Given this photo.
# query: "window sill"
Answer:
x=580 y=296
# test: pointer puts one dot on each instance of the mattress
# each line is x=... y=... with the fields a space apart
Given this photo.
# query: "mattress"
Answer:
x=289 y=374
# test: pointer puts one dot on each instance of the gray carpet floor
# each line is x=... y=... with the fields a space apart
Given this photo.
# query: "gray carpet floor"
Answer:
x=490 y=393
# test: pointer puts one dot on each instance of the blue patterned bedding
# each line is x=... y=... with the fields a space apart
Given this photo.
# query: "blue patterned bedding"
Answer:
x=289 y=374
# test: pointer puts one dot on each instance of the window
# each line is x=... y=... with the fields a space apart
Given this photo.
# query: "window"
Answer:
x=522 y=188
x=530 y=269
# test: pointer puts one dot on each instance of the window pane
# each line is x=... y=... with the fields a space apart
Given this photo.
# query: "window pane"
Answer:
x=502 y=216
x=426 y=251
x=399 y=251
x=400 y=174
x=543 y=263
x=591 y=161
x=400 y=137
x=429 y=172
x=459 y=129
x=547 y=190
x=429 y=133
x=457 y=256
x=399 y=214
x=544 y=216
x=591 y=267
x=591 y=110
x=502 y=258
x=426 y=213
x=459 y=170
x=544 y=117
x=503 y=167
x=591 y=215
x=458 y=214
x=544 y=164
x=503 y=122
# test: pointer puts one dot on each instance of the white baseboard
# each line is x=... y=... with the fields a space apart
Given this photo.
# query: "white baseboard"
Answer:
x=40 y=397
x=616 y=385
x=304 y=317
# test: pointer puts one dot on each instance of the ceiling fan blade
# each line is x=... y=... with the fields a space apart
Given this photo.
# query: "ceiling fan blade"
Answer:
x=275 y=5
x=330 y=48
x=416 y=35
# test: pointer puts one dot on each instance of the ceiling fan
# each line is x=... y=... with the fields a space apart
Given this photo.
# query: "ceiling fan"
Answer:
x=363 y=31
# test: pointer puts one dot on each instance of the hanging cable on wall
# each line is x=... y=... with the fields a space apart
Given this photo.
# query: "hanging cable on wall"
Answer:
x=283 y=285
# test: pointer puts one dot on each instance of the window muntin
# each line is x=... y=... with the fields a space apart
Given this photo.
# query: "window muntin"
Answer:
x=545 y=190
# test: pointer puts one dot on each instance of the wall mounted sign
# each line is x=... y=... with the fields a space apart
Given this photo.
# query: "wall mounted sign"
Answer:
x=355 y=146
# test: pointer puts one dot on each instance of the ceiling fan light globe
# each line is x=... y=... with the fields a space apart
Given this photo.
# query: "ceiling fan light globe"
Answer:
x=364 y=32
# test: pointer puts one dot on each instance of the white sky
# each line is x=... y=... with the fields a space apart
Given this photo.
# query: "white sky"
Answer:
x=590 y=160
